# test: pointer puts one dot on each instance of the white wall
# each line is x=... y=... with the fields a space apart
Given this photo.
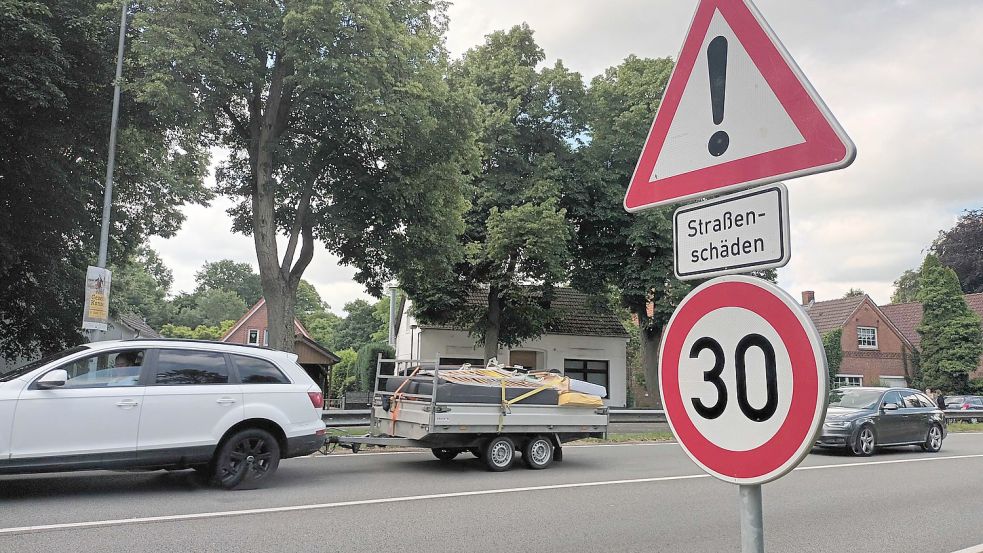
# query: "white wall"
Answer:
x=428 y=343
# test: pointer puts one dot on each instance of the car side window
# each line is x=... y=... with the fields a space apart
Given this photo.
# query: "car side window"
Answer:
x=258 y=371
x=910 y=400
x=892 y=397
x=177 y=367
x=109 y=369
x=925 y=402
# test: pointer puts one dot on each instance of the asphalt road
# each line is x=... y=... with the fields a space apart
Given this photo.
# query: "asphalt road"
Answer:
x=645 y=498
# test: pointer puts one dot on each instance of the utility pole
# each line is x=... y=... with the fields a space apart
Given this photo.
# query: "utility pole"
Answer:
x=107 y=201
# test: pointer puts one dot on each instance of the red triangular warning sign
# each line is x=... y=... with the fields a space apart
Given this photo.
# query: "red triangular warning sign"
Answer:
x=737 y=112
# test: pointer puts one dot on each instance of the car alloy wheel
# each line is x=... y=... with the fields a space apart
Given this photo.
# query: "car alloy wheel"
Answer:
x=866 y=441
x=249 y=456
x=933 y=442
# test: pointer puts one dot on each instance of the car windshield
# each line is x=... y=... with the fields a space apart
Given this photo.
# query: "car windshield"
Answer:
x=24 y=369
x=854 y=398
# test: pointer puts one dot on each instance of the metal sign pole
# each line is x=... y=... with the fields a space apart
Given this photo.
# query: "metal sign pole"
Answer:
x=752 y=528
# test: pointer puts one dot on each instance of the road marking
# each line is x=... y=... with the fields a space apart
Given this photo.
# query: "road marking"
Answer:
x=287 y=509
x=317 y=506
x=973 y=549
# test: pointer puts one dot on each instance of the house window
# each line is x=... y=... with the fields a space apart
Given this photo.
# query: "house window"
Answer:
x=845 y=380
x=595 y=372
x=867 y=337
x=253 y=337
x=266 y=336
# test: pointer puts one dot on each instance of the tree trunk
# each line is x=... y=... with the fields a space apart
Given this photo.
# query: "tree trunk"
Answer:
x=649 y=338
x=492 y=332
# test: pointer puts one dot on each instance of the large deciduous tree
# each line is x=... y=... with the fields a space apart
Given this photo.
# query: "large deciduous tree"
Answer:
x=516 y=240
x=341 y=127
x=961 y=248
x=226 y=274
x=630 y=251
x=56 y=88
x=951 y=336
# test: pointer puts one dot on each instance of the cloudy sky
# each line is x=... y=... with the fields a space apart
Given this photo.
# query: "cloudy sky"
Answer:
x=903 y=78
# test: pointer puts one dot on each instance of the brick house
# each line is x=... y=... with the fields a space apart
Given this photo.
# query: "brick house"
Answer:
x=875 y=351
x=907 y=317
x=252 y=329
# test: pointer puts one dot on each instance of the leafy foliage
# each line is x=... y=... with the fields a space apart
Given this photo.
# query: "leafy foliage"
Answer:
x=952 y=340
x=344 y=374
x=906 y=287
x=854 y=293
x=200 y=332
x=961 y=248
x=833 y=345
x=342 y=128
x=140 y=286
x=515 y=244
x=226 y=274
x=368 y=356
x=56 y=87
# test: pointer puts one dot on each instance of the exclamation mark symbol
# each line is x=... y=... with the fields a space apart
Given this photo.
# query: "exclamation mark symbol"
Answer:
x=717 y=64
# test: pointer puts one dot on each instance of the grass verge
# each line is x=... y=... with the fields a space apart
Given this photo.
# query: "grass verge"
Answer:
x=965 y=427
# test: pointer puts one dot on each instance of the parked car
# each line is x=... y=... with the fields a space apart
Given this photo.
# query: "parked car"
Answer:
x=964 y=403
x=863 y=419
x=230 y=412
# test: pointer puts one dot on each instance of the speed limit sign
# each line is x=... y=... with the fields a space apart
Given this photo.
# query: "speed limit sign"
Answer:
x=742 y=373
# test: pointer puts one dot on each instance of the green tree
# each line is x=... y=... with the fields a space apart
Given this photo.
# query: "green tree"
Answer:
x=906 y=287
x=324 y=329
x=341 y=127
x=515 y=246
x=216 y=306
x=200 y=332
x=309 y=305
x=630 y=251
x=226 y=274
x=854 y=293
x=357 y=328
x=344 y=374
x=961 y=248
x=140 y=286
x=952 y=340
x=56 y=89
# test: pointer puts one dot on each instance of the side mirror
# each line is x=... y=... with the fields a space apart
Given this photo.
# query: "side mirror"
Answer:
x=53 y=379
x=890 y=407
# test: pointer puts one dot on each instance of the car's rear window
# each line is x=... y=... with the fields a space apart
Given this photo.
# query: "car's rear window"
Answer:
x=183 y=367
x=258 y=371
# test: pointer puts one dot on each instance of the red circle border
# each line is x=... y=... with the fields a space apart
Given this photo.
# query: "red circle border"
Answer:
x=799 y=423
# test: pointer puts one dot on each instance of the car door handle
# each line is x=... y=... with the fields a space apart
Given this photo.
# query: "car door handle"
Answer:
x=126 y=403
x=225 y=401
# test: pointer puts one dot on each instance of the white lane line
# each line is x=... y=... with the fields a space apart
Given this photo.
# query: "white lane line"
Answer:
x=315 y=506
x=198 y=516
x=973 y=549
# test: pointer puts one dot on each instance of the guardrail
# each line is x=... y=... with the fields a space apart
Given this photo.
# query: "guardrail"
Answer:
x=964 y=416
x=360 y=417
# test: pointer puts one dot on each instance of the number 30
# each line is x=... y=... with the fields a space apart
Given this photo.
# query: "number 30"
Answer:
x=713 y=376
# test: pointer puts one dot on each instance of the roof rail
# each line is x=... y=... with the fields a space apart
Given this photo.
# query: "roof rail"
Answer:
x=198 y=341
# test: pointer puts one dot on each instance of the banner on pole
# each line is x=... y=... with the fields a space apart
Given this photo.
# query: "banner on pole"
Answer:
x=95 y=315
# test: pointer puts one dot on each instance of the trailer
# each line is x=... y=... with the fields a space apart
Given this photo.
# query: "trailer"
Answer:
x=407 y=411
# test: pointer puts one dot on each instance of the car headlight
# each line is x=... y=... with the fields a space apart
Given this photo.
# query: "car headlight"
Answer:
x=837 y=424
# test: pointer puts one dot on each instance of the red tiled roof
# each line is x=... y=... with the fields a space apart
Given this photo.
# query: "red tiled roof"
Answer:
x=907 y=316
x=832 y=314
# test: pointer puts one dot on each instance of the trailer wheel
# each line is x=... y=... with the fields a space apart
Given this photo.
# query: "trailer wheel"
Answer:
x=445 y=453
x=499 y=454
x=538 y=453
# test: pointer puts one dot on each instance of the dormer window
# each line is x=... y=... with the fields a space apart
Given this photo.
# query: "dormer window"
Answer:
x=253 y=337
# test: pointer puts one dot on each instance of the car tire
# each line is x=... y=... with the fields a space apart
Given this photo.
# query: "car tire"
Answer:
x=246 y=459
x=538 y=453
x=445 y=453
x=499 y=454
x=865 y=442
x=933 y=441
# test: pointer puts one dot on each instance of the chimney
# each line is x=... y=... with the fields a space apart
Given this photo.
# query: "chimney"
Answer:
x=808 y=297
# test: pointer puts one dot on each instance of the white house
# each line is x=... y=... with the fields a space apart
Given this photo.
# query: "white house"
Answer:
x=585 y=342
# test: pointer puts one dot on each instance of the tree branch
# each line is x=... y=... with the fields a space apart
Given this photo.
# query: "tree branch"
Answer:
x=237 y=123
x=302 y=208
x=306 y=251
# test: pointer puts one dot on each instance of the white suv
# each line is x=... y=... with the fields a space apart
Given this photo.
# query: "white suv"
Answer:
x=230 y=412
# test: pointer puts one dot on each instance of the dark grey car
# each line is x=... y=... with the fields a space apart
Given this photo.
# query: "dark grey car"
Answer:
x=863 y=419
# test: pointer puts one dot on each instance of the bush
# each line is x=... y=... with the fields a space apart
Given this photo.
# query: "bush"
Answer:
x=366 y=362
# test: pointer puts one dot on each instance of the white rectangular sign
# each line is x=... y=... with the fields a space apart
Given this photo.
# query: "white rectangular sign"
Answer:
x=736 y=233
x=96 y=313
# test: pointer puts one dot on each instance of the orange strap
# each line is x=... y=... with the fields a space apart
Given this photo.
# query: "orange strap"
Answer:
x=397 y=395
